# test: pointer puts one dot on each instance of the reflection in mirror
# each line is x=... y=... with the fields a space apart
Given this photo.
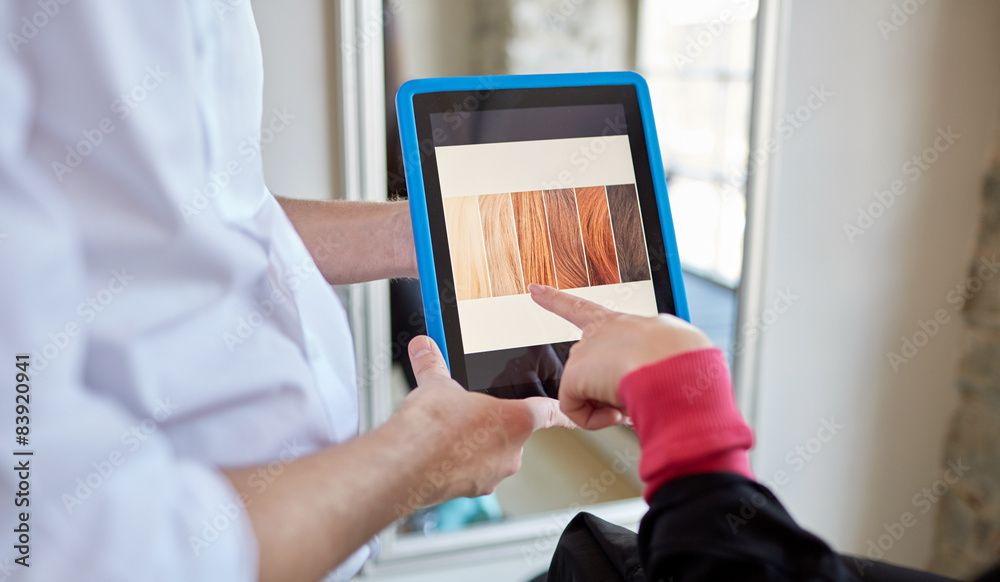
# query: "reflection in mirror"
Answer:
x=697 y=58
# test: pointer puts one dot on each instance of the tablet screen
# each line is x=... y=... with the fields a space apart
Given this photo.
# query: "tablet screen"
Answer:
x=549 y=186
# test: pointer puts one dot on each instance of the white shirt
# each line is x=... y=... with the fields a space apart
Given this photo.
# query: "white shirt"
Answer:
x=176 y=322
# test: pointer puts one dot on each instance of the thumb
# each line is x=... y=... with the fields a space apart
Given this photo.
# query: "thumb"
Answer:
x=545 y=413
x=427 y=361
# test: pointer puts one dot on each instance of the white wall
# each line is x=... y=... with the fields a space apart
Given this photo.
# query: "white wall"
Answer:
x=826 y=357
x=301 y=161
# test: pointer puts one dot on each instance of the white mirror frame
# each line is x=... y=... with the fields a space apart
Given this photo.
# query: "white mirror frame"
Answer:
x=772 y=18
x=361 y=121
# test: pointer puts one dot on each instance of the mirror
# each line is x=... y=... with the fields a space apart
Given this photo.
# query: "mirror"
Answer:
x=698 y=60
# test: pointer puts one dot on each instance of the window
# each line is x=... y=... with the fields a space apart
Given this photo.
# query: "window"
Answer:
x=698 y=60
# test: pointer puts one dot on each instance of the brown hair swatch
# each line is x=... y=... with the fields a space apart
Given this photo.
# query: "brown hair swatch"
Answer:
x=533 y=238
x=465 y=241
x=633 y=262
x=501 y=244
x=567 y=245
x=598 y=238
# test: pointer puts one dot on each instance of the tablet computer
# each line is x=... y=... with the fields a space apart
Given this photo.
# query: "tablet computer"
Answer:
x=551 y=179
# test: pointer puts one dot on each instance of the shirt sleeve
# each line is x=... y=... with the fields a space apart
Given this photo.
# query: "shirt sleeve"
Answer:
x=723 y=526
x=708 y=520
x=685 y=416
x=105 y=496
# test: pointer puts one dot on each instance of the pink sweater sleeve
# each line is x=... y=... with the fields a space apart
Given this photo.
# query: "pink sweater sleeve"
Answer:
x=686 y=417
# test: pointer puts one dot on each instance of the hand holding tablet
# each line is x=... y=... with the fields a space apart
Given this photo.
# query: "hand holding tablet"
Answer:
x=548 y=179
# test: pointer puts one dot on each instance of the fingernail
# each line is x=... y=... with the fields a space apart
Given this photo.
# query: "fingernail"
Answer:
x=535 y=289
x=420 y=346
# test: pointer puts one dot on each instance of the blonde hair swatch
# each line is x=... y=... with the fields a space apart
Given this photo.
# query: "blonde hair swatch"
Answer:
x=465 y=240
x=633 y=261
x=533 y=238
x=501 y=244
x=567 y=245
x=598 y=237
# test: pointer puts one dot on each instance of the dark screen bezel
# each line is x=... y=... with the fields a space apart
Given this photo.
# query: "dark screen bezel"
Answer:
x=426 y=104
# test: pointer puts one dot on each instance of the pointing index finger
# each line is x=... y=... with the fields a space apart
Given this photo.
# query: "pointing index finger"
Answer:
x=575 y=310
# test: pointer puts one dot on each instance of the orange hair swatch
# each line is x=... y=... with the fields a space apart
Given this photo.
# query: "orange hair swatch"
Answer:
x=533 y=238
x=567 y=244
x=598 y=237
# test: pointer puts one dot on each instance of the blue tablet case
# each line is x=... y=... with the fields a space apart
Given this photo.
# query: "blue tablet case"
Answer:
x=415 y=180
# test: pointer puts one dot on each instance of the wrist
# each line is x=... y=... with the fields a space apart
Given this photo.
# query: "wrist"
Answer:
x=423 y=452
x=414 y=433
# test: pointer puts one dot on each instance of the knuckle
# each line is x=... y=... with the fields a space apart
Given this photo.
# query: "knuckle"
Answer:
x=551 y=413
x=420 y=364
x=425 y=367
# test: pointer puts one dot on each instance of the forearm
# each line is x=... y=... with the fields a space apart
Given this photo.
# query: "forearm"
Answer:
x=321 y=508
x=353 y=242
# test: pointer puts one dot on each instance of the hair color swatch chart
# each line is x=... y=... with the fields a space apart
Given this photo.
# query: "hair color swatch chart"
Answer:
x=566 y=238
x=511 y=223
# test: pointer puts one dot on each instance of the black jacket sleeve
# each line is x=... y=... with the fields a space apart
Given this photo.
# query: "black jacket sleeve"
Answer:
x=722 y=526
